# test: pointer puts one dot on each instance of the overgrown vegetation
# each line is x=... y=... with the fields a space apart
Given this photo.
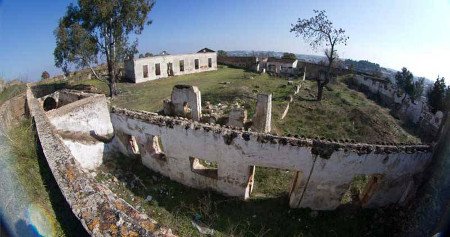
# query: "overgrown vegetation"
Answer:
x=405 y=82
x=439 y=96
x=26 y=165
x=267 y=213
x=11 y=91
x=342 y=113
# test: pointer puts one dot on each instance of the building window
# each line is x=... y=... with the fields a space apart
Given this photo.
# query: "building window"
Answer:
x=196 y=63
x=145 y=70
x=204 y=168
x=157 y=69
x=209 y=62
x=181 y=65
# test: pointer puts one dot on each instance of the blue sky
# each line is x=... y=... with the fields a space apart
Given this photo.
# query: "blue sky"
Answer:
x=414 y=33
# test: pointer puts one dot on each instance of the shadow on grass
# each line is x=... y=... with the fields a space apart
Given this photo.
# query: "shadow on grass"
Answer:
x=70 y=225
x=262 y=216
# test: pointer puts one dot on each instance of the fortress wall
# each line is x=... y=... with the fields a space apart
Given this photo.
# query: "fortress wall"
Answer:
x=100 y=211
x=325 y=169
x=412 y=112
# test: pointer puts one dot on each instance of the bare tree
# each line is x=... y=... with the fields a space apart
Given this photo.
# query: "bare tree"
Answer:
x=319 y=30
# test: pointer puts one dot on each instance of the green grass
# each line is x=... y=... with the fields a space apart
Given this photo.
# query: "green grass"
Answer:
x=35 y=176
x=267 y=213
x=27 y=169
x=342 y=114
x=11 y=91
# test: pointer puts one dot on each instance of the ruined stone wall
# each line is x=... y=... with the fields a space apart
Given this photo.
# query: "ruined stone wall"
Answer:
x=324 y=169
x=84 y=126
x=99 y=210
x=135 y=70
x=249 y=63
x=401 y=105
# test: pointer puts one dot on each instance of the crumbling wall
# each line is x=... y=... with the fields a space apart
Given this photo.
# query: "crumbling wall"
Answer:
x=401 y=105
x=84 y=124
x=99 y=210
x=324 y=169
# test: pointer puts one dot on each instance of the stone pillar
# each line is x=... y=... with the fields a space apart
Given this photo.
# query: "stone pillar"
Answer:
x=185 y=98
x=237 y=117
x=263 y=115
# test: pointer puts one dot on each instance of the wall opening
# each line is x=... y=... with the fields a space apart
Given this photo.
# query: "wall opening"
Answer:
x=196 y=63
x=169 y=69
x=49 y=104
x=203 y=167
x=272 y=182
x=361 y=189
x=209 y=62
x=132 y=145
x=145 y=71
x=250 y=181
x=154 y=148
x=181 y=65
x=158 y=69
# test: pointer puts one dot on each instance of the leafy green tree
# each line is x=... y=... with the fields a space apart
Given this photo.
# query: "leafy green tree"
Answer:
x=437 y=95
x=405 y=83
x=148 y=54
x=45 y=75
x=100 y=29
x=222 y=53
x=74 y=46
x=289 y=56
x=319 y=30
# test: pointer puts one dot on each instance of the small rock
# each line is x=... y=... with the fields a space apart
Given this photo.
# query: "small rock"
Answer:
x=148 y=198
x=290 y=83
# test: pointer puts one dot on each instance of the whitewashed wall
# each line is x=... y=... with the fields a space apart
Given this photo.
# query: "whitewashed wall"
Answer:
x=325 y=169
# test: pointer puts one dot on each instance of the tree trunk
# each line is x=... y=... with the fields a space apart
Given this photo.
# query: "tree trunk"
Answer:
x=320 y=87
x=112 y=88
x=93 y=72
x=110 y=59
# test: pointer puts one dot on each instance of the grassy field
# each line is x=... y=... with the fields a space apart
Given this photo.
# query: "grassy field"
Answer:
x=342 y=114
x=267 y=213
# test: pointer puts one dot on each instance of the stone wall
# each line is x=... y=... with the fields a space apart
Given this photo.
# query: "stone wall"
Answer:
x=413 y=112
x=324 y=169
x=249 y=63
x=134 y=69
x=83 y=122
x=99 y=210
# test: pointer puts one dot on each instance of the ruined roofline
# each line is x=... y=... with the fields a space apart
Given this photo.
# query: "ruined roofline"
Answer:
x=170 y=55
x=234 y=132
